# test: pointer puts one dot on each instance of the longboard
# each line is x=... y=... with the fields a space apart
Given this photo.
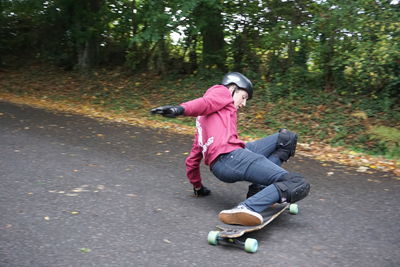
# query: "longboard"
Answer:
x=229 y=234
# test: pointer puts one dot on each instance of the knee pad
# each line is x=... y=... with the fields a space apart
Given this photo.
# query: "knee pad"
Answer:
x=292 y=187
x=286 y=144
x=254 y=189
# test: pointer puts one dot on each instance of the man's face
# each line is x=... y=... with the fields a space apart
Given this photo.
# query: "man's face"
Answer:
x=239 y=98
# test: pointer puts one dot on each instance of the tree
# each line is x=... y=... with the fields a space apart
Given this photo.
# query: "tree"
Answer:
x=295 y=45
x=87 y=26
x=208 y=17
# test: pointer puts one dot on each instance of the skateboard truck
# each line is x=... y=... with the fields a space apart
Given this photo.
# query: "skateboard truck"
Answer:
x=249 y=245
x=229 y=234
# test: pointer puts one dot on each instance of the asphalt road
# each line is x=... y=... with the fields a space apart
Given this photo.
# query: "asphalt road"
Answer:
x=79 y=192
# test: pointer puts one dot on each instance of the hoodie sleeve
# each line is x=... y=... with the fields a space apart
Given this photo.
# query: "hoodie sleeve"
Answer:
x=193 y=164
x=216 y=98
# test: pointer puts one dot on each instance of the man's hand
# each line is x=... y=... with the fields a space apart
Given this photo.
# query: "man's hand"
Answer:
x=202 y=191
x=168 y=111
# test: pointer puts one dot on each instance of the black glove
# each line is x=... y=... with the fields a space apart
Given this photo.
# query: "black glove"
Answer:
x=168 y=111
x=203 y=191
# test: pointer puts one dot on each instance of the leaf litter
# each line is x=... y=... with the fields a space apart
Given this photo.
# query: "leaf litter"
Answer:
x=43 y=96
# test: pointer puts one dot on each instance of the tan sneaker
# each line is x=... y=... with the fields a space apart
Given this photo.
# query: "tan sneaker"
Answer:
x=240 y=215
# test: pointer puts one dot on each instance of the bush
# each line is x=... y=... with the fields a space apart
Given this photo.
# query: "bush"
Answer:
x=388 y=138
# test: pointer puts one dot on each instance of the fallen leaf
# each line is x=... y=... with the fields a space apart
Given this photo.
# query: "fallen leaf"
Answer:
x=360 y=114
x=259 y=116
x=362 y=169
x=47 y=218
x=374 y=181
x=85 y=250
x=79 y=190
x=91 y=165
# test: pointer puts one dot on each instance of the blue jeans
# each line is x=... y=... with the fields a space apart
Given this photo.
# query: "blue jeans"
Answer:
x=254 y=164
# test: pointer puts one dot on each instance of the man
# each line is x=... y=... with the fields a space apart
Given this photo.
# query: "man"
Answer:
x=230 y=159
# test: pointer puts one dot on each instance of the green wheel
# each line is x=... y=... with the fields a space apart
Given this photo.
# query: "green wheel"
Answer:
x=213 y=237
x=294 y=209
x=251 y=245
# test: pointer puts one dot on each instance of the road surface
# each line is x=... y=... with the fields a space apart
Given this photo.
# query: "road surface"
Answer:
x=80 y=192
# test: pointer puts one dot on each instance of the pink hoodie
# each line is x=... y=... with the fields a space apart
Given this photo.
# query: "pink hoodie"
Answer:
x=216 y=129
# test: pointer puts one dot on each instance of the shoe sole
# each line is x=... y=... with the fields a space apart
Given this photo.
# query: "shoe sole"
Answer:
x=239 y=218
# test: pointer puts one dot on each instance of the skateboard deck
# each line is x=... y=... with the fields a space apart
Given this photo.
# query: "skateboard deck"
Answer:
x=228 y=234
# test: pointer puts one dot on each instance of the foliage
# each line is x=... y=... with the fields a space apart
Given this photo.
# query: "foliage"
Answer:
x=387 y=137
x=296 y=51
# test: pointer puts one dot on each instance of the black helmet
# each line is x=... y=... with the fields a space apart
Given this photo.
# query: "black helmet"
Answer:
x=240 y=80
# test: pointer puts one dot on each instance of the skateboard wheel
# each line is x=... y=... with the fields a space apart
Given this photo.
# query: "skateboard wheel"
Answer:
x=213 y=237
x=294 y=209
x=251 y=245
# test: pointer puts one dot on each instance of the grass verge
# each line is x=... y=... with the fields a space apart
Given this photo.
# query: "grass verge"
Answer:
x=331 y=128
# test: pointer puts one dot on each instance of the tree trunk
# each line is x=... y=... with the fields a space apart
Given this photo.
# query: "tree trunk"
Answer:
x=209 y=20
x=192 y=55
x=238 y=53
x=160 y=57
x=326 y=60
x=134 y=22
x=88 y=54
x=87 y=49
